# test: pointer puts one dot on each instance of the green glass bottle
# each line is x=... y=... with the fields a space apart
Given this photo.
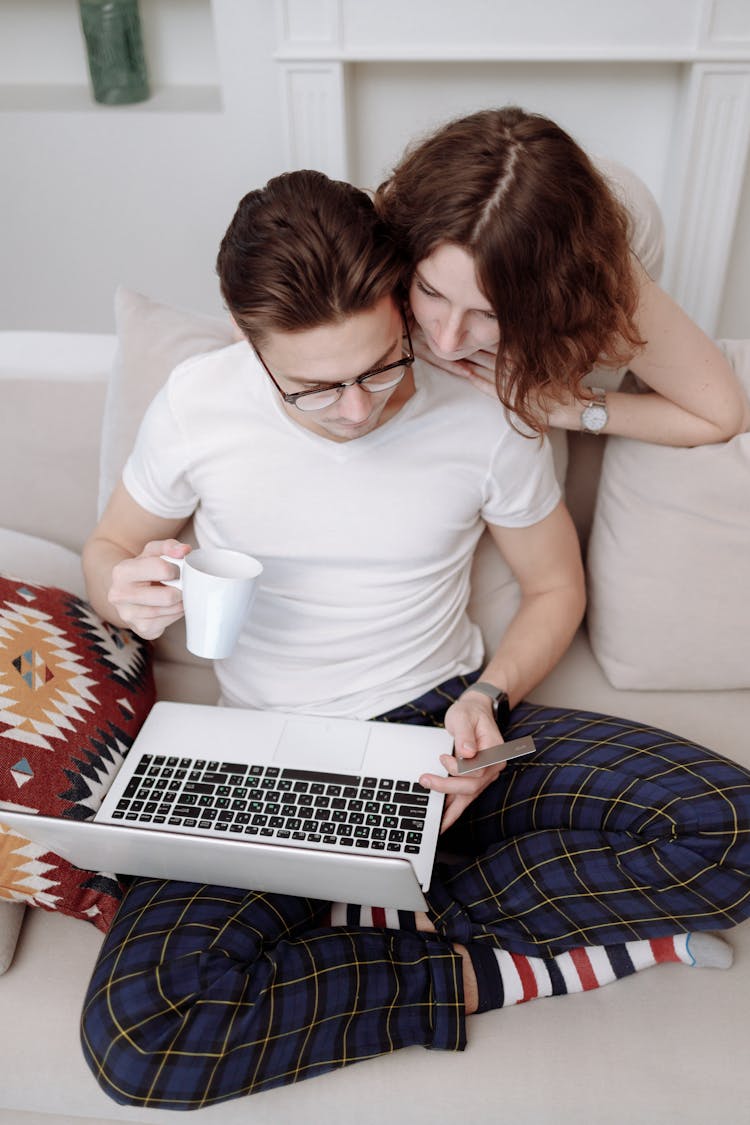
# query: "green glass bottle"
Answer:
x=117 y=64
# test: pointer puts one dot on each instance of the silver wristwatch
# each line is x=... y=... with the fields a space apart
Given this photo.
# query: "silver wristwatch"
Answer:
x=595 y=416
x=499 y=698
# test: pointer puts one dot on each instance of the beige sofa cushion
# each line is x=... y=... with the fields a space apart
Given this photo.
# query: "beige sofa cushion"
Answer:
x=152 y=339
x=11 y=920
x=669 y=562
x=40 y=560
x=647 y=235
x=52 y=387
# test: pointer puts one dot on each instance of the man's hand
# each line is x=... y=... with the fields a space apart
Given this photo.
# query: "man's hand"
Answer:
x=142 y=602
x=471 y=722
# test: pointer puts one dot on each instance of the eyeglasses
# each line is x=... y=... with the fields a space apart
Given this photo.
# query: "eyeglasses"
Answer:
x=380 y=379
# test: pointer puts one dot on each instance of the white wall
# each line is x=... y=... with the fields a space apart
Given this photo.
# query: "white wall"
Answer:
x=94 y=196
x=734 y=320
x=395 y=102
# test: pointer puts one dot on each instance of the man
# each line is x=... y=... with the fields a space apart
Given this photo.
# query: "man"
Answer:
x=362 y=480
x=365 y=543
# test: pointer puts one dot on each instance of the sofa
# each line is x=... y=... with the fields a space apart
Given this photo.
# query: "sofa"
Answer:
x=665 y=642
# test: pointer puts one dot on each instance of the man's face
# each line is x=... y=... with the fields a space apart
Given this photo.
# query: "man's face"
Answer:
x=335 y=353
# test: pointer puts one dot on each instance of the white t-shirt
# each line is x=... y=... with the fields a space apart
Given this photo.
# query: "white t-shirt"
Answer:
x=646 y=222
x=366 y=545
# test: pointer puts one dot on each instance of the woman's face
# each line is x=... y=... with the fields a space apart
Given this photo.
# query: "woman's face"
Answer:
x=449 y=307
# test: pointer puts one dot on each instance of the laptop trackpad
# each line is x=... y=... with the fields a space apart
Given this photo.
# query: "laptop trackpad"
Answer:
x=337 y=747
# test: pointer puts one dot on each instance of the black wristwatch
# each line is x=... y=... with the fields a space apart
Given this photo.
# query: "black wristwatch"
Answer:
x=500 y=701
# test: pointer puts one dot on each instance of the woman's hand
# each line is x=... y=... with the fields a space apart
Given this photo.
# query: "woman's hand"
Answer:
x=478 y=368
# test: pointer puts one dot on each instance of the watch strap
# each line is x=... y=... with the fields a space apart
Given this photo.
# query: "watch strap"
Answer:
x=500 y=700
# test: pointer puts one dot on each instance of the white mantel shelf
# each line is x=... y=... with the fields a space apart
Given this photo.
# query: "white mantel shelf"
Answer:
x=478 y=52
x=318 y=41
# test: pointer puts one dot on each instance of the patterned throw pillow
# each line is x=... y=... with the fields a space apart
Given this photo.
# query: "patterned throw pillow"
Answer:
x=74 y=692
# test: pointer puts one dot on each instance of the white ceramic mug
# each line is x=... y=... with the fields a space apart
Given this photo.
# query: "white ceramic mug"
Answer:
x=218 y=588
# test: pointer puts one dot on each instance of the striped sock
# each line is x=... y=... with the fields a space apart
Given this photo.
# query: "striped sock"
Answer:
x=345 y=914
x=504 y=978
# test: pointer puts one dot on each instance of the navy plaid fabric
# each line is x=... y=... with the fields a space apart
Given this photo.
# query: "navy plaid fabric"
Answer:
x=610 y=831
x=206 y=993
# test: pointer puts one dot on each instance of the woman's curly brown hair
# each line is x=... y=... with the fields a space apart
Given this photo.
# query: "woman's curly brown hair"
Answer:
x=550 y=244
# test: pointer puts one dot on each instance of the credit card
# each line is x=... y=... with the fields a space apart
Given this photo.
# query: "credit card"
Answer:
x=494 y=754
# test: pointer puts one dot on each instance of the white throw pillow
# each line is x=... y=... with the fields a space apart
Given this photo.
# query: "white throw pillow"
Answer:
x=152 y=339
x=40 y=560
x=669 y=561
x=647 y=224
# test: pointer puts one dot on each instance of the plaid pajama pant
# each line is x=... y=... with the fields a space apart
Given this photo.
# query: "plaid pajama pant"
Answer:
x=610 y=831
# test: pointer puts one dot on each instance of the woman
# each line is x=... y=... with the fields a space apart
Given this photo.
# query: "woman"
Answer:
x=524 y=281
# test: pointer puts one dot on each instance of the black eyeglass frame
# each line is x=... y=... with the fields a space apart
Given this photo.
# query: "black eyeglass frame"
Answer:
x=406 y=362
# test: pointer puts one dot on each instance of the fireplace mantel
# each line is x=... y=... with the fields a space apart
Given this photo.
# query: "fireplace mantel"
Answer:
x=319 y=40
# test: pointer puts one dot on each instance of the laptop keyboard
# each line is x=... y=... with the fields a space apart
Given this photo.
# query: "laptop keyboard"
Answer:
x=275 y=803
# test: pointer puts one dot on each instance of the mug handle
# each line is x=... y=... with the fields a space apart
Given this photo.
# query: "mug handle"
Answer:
x=176 y=582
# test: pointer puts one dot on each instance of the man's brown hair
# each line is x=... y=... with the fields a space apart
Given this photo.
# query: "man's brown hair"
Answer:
x=549 y=240
x=304 y=251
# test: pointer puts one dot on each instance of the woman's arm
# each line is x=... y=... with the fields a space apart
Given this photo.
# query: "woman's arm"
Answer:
x=694 y=398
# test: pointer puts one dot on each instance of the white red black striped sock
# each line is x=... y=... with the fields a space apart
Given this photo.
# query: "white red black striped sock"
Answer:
x=345 y=914
x=504 y=978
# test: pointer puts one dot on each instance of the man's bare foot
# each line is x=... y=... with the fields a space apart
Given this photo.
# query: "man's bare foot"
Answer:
x=471 y=990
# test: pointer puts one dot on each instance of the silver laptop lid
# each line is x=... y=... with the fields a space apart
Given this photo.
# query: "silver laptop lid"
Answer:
x=286 y=747
x=374 y=881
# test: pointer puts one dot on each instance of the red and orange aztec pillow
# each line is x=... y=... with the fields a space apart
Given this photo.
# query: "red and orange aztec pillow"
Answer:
x=74 y=692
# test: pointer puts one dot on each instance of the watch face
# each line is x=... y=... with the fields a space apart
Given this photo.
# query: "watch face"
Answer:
x=594 y=418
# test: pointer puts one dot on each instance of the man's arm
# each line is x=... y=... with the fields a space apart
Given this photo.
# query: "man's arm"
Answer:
x=122 y=567
x=546 y=560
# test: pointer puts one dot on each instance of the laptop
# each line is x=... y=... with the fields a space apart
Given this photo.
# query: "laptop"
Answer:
x=267 y=801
